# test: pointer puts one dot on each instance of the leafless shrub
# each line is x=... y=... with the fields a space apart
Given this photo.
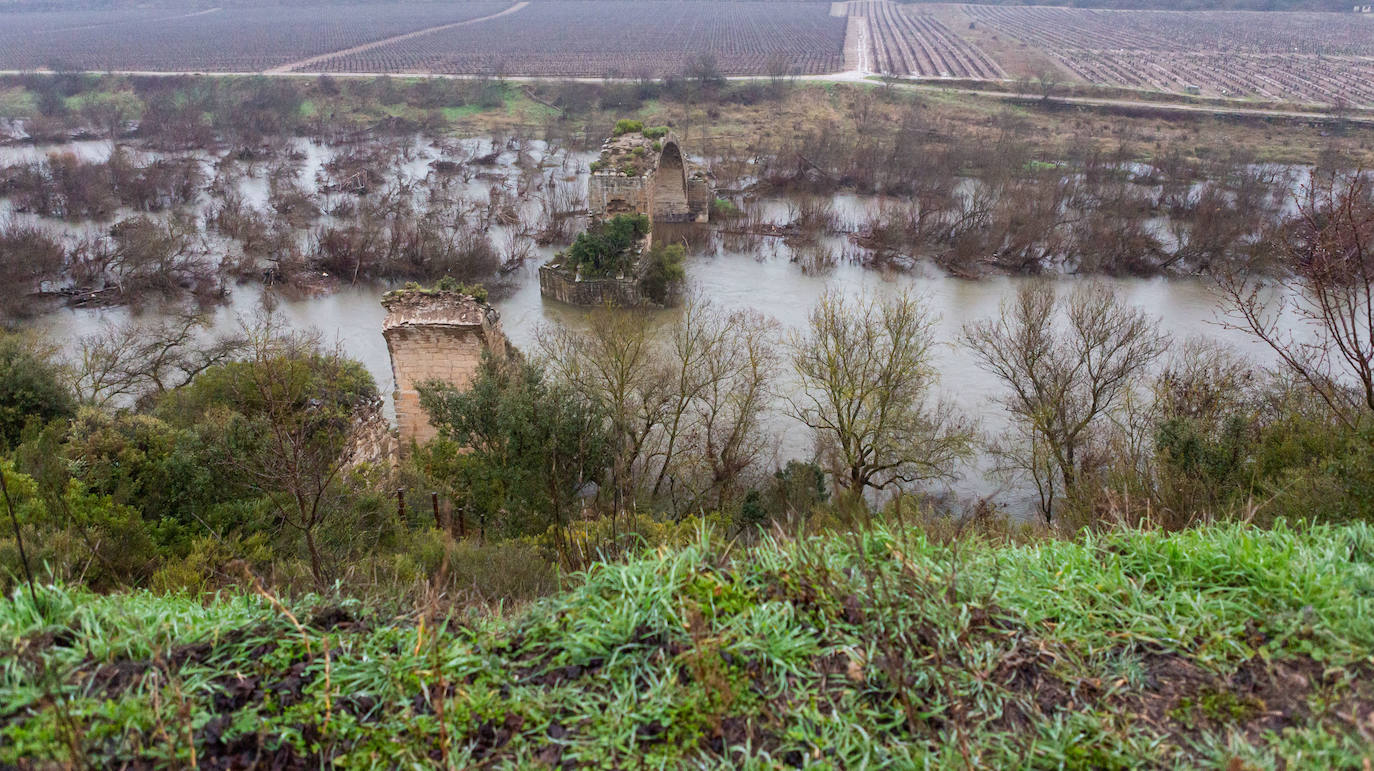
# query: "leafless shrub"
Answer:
x=813 y=215
x=30 y=257
x=153 y=255
x=814 y=259
x=1330 y=291
x=1068 y=365
x=62 y=186
x=516 y=251
x=560 y=209
x=291 y=200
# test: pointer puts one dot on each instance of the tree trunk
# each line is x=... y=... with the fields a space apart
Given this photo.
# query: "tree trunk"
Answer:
x=315 y=567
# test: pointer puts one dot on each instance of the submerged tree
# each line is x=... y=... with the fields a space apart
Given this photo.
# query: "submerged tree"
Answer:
x=866 y=392
x=29 y=257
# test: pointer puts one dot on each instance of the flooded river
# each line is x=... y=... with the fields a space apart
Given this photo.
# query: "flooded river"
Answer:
x=774 y=286
x=767 y=281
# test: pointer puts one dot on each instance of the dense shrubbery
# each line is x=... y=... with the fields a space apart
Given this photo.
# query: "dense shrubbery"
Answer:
x=662 y=271
x=249 y=461
x=627 y=126
x=530 y=446
x=31 y=388
x=609 y=247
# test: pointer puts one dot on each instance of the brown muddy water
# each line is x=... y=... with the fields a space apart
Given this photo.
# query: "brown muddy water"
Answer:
x=766 y=280
x=772 y=285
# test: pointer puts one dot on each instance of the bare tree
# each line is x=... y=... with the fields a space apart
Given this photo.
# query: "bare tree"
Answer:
x=1067 y=364
x=290 y=435
x=733 y=404
x=108 y=114
x=865 y=391
x=723 y=366
x=618 y=363
x=704 y=70
x=134 y=361
x=685 y=402
x=1330 y=249
x=778 y=66
x=1048 y=82
x=695 y=341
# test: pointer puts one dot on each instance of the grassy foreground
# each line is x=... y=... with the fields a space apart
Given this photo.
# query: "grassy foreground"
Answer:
x=1222 y=647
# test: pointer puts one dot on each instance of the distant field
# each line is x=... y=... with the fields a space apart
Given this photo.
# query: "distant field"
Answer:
x=906 y=40
x=1301 y=57
x=1310 y=57
x=632 y=38
x=226 y=40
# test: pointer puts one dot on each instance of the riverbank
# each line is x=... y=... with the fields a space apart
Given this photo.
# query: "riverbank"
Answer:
x=732 y=114
x=1221 y=646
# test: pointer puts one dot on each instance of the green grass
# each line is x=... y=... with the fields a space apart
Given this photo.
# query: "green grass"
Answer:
x=458 y=113
x=1132 y=650
x=17 y=102
x=519 y=105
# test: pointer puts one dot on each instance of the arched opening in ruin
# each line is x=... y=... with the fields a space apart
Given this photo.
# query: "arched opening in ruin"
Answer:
x=670 y=185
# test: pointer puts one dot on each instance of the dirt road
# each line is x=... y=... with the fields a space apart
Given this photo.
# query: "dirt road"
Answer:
x=1362 y=119
x=291 y=66
x=1182 y=107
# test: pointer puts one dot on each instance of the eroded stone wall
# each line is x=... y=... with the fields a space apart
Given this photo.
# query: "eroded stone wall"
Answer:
x=699 y=197
x=435 y=336
x=370 y=439
x=609 y=194
x=421 y=354
x=558 y=284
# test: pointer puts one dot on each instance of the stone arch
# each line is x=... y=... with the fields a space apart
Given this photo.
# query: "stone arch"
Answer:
x=670 y=185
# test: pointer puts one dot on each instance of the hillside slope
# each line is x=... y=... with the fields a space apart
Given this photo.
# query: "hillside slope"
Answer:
x=1221 y=647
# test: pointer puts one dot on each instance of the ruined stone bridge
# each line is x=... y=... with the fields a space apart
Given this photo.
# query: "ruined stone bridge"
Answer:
x=634 y=178
x=436 y=335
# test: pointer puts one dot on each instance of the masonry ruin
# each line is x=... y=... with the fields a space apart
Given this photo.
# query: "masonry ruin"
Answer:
x=435 y=334
x=639 y=172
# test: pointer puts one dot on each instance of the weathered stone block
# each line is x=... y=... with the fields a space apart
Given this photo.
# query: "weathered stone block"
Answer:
x=434 y=335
